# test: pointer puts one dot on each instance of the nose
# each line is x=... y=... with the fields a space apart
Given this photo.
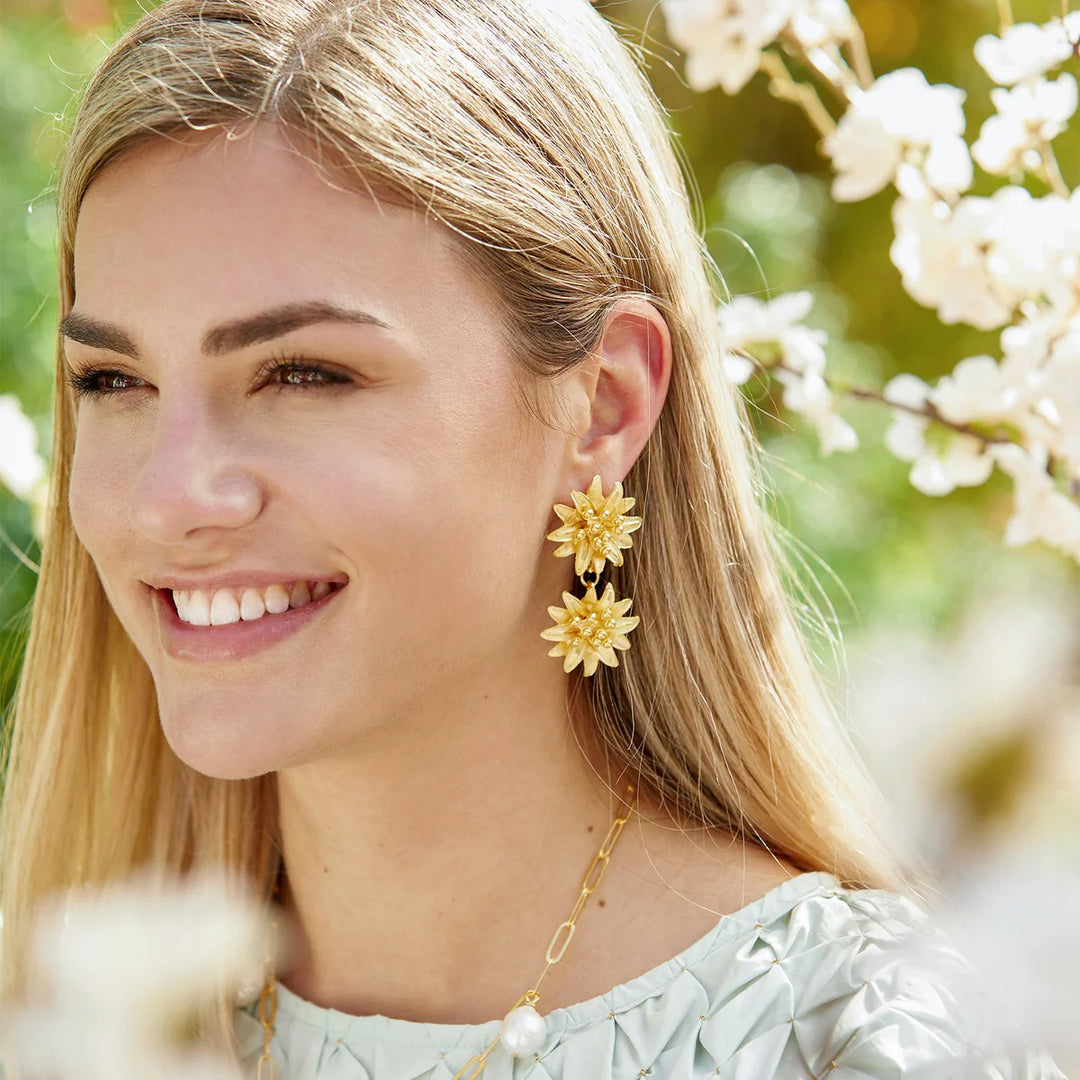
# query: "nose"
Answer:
x=194 y=477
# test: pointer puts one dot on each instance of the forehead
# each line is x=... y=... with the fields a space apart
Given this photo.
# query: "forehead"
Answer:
x=208 y=227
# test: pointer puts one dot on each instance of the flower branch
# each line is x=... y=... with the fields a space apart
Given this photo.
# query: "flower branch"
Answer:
x=860 y=57
x=782 y=85
x=1051 y=170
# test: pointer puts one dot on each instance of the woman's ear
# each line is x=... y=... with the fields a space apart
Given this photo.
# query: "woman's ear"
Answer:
x=626 y=381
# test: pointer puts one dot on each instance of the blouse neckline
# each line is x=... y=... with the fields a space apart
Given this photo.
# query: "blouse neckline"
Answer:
x=765 y=909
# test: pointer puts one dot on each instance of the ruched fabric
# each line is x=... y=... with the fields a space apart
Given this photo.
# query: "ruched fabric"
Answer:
x=811 y=981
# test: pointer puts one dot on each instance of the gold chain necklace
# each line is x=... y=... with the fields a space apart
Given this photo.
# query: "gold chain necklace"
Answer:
x=523 y=1028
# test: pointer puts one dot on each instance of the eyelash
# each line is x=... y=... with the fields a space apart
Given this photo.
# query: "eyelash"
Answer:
x=84 y=381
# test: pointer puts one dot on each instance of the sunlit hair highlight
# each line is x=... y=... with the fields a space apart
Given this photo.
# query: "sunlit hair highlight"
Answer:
x=529 y=130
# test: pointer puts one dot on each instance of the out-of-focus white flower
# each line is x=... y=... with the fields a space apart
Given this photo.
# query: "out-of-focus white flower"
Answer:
x=923 y=702
x=1040 y=511
x=1027 y=115
x=809 y=394
x=774 y=328
x=1024 y=51
x=1033 y=246
x=747 y=323
x=1060 y=383
x=940 y=256
x=1025 y=345
x=977 y=389
x=21 y=467
x=737 y=368
x=980 y=260
x=864 y=155
x=816 y=23
x=723 y=39
x=964 y=462
x=119 y=968
x=901 y=118
x=1030 y=962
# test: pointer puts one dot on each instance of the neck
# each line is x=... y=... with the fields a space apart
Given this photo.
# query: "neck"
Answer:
x=426 y=873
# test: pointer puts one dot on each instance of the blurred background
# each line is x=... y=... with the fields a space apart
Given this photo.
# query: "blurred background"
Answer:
x=960 y=667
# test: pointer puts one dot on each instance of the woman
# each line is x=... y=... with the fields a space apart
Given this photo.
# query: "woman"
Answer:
x=366 y=308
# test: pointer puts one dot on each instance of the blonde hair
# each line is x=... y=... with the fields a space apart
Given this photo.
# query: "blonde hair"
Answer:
x=529 y=130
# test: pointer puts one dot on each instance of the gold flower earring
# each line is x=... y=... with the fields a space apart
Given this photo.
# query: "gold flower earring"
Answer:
x=595 y=530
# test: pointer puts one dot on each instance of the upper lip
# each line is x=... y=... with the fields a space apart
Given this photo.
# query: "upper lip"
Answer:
x=259 y=579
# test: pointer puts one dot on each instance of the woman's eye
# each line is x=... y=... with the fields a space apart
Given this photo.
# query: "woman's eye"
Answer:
x=281 y=373
x=96 y=382
x=295 y=372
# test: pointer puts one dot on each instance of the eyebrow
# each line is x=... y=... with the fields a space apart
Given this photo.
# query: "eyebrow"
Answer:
x=226 y=337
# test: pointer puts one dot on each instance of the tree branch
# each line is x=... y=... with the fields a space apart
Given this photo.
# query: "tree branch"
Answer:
x=782 y=85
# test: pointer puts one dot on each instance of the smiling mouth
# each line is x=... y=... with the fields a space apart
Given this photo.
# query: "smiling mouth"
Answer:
x=237 y=639
x=206 y=608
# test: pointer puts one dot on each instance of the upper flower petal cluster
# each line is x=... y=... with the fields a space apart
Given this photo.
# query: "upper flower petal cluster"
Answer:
x=1027 y=51
x=596 y=528
x=900 y=120
x=723 y=39
x=1028 y=116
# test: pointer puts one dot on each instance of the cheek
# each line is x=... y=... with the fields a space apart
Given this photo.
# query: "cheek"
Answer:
x=97 y=490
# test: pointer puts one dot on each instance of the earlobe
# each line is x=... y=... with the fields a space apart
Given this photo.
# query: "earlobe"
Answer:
x=634 y=368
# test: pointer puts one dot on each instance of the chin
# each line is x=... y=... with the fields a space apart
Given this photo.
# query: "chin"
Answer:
x=221 y=743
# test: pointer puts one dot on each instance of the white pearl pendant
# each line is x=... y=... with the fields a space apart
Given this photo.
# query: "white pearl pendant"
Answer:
x=523 y=1031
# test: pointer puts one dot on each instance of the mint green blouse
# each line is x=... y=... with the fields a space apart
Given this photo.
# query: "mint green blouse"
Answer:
x=811 y=980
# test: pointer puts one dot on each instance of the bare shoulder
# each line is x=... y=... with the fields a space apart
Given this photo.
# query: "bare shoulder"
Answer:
x=666 y=889
x=687 y=878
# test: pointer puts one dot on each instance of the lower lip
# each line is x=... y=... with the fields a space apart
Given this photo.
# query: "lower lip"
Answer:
x=234 y=641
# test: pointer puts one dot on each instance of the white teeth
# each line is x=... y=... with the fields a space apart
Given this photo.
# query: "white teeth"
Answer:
x=224 y=609
x=198 y=608
x=277 y=599
x=252 y=605
x=220 y=607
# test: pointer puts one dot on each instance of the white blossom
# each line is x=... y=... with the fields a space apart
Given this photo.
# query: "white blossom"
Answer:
x=1034 y=245
x=977 y=390
x=1040 y=511
x=808 y=393
x=1027 y=116
x=774 y=327
x=942 y=262
x=964 y=462
x=817 y=23
x=1025 y=346
x=1028 y=965
x=723 y=39
x=120 y=967
x=1024 y=51
x=980 y=260
x=901 y=118
x=21 y=467
x=864 y=155
x=1060 y=383
x=747 y=323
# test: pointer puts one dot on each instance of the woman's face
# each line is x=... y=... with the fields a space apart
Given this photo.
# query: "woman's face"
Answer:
x=403 y=465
